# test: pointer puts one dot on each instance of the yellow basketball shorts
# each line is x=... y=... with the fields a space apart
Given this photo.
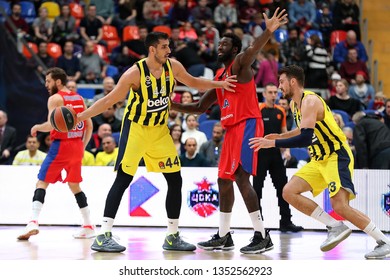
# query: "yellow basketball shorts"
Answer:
x=334 y=172
x=152 y=143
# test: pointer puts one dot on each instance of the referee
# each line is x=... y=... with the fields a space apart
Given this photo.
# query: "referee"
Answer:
x=274 y=118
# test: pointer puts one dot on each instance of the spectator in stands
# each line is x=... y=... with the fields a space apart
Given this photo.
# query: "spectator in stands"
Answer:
x=71 y=85
x=334 y=78
x=179 y=13
x=247 y=14
x=268 y=70
x=361 y=90
x=193 y=132
x=212 y=149
x=108 y=86
x=302 y=15
x=186 y=97
x=92 y=66
x=91 y=28
x=108 y=156
x=187 y=33
x=207 y=52
x=127 y=14
x=31 y=155
x=293 y=50
x=47 y=60
x=372 y=141
x=246 y=38
x=200 y=13
x=174 y=118
x=42 y=26
x=289 y=116
x=342 y=100
x=316 y=75
x=69 y=62
x=123 y=61
x=346 y=15
x=44 y=141
x=95 y=144
x=105 y=11
x=348 y=131
x=379 y=102
x=187 y=54
x=176 y=131
x=211 y=33
x=154 y=13
x=351 y=66
x=88 y=159
x=339 y=119
x=64 y=27
x=340 y=52
x=20 y=23
x=191 y=157
x=108 y=116
x=225 y=16
x=386 y=113
x=137 y=46
x=324 y=21
x=258 y=26
x=7 y=139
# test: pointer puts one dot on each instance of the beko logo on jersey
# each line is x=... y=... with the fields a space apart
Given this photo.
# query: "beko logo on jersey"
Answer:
x=158 y=104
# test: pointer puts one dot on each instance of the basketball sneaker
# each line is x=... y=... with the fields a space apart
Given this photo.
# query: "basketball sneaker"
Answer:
x=381 y=251
x=31 y=229
x=218 y=243
x=335 y=236
x=85 y=232
x=258 y=244
x=173 y=242
x=106 y=243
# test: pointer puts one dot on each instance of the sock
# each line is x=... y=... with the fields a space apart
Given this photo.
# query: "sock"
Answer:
x=323 y=217
x=224 y=223
x=36 y=210
x=257 y=222
x=85 y=214
x=376 y=233
x=173 y=226
x=107 y=225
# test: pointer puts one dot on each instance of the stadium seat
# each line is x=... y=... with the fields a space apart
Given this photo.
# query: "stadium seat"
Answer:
x=87 y=93
x=112 y=71
x=54 y=50
x=207 y=128
x=28 y=11
x=110 y=35
x=32 y=46
x=343 y=114
x=53 y=9
x=310 y=32
x=163 y=28
x=336 y=36
x=116 y=136
x=299 y=153
x=202 y=117
x=130 y=33
x=350 y=124
x=76 y=10
x=7 y=9
x=281 y=35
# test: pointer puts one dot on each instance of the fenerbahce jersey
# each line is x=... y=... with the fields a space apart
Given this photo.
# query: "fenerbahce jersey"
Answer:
x=149 y=104
x=327 y=137
x=239 y=105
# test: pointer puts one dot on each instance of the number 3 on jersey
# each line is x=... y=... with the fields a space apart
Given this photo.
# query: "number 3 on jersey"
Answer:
x=169 y=163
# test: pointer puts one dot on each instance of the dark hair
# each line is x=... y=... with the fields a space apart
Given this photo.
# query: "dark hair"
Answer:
x=153 y=38
x=236 y=41
x=173 y=126
x=57 y=74
x=294 y=71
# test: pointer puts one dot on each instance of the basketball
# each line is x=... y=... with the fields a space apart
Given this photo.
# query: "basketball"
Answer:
x=63 y=118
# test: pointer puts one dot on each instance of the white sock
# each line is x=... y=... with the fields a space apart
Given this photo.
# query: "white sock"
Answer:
x=376 y=233
x=85 y=214
x=224 y=223
x=173 y=226
x=36 y=210
x=257 y=222
x=323 y=217
x=107 y=225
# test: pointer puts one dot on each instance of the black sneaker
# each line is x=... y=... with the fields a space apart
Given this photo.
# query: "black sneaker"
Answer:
x=173 y=242
x=105 y=243
x=218 y=243
x=290 y=227
x=258 y=244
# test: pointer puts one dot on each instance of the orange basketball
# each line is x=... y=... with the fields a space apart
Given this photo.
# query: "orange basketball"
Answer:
x=63 y=118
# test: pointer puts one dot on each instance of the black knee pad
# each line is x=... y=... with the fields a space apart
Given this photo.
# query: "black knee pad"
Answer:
x=39 y=195
x=81 y=199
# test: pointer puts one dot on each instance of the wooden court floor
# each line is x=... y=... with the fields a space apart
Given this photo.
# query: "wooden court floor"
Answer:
x=145 y=243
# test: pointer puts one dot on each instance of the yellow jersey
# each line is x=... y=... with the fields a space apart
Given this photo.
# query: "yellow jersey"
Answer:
x=327 y=137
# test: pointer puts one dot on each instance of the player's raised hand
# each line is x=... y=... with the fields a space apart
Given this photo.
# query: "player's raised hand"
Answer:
x=278 y=19
x=228 y=84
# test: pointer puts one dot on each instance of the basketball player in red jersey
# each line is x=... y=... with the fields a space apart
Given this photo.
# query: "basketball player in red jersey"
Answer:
x=240 y=116
x=66 y=152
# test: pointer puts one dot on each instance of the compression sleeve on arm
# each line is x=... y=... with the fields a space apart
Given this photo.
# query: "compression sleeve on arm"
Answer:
x=302 y=140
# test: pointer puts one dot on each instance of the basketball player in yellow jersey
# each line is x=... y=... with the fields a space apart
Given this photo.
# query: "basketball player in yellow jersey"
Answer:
x=331 y=164
x=145 y=134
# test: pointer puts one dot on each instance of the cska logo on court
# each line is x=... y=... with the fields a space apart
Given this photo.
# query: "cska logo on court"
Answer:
x=204 y=200
x=386 y=202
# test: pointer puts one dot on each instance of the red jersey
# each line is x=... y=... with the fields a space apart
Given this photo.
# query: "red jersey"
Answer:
x=239 y=105
x=76 y=101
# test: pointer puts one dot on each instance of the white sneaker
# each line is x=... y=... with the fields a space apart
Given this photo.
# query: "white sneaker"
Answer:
x=381 y=251
x=335 y=236
x=31 y=229
x=85 y=232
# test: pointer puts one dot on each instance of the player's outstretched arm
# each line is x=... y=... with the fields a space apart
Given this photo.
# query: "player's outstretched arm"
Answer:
x=199 y=107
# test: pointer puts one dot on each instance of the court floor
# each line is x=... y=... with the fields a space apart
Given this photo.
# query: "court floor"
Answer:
x=145 y=243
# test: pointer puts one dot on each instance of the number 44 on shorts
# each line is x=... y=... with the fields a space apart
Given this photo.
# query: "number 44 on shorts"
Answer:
x=169 y=163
